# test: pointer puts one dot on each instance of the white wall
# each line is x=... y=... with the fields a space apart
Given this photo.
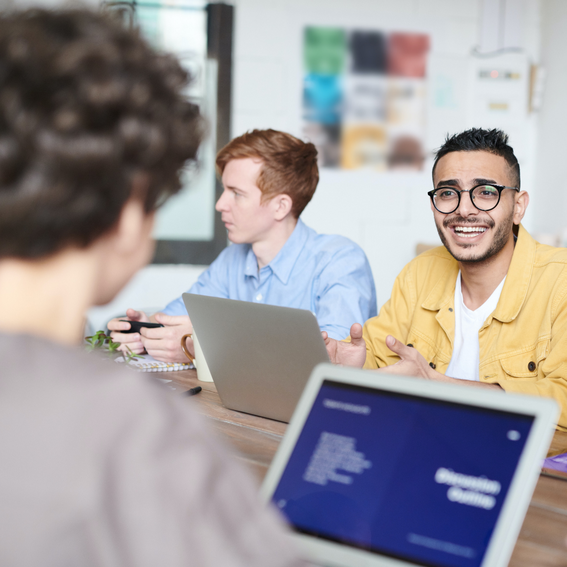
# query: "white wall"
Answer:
x=551 y=206
x=387 y=214
x=151 y=289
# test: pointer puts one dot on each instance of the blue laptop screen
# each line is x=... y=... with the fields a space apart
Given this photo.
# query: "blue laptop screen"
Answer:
x=404 y=476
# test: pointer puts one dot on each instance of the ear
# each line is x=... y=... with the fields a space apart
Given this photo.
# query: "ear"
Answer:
x=433 y=209
x=282 y=206
x=521 y=204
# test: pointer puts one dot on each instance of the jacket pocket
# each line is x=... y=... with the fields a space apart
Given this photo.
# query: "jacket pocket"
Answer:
x=527 y=362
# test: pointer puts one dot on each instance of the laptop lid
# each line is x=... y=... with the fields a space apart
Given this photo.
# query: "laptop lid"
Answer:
x=387 y=470
x=260 y=356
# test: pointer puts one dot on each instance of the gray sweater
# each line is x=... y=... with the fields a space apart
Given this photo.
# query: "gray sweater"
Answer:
x=102 y=466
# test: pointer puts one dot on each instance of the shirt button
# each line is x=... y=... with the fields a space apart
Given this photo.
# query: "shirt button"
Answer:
x=433 y=365
x=531 y=366
x=259 y=297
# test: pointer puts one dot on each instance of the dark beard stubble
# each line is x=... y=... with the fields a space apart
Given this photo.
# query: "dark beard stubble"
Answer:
x=501 y=236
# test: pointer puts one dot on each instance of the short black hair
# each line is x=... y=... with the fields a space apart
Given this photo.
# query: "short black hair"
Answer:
x=493 y=141
x=86 y=105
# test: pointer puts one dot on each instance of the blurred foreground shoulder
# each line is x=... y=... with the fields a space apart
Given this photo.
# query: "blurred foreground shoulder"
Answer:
x=103 y=463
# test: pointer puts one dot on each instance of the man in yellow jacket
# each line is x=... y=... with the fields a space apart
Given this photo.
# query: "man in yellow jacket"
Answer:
x=489 y=309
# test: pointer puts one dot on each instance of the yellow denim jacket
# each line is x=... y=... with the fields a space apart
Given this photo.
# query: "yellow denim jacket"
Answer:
x=523 y=342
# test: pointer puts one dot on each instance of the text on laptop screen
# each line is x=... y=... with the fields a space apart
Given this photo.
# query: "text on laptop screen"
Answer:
x=404 y=476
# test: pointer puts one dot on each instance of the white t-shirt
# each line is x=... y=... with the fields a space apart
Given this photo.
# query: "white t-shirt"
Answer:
x=465 y=361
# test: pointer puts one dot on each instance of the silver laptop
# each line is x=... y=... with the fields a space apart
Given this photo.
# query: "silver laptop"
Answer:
x=260 y=356
x=379 y=470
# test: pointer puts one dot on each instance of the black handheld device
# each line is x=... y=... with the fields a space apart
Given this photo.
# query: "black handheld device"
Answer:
x=135 y=326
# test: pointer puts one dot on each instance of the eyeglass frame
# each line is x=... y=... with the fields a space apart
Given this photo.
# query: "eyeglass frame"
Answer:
x=499 y=188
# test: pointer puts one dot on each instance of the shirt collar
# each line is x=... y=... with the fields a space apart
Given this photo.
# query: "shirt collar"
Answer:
x=251 y=264
x=515 y=287
x=283 y=263
x=285 y=260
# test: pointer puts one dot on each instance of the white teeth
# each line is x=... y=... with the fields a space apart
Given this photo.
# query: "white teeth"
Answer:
x=470 y=229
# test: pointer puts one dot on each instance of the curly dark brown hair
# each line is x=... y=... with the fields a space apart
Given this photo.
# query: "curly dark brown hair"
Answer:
x=85 y=105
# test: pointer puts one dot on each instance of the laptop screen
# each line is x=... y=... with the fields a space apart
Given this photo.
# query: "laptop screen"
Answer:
x=409 y=477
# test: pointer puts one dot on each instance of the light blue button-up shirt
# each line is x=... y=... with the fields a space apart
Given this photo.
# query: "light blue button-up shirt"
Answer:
x=326 y=274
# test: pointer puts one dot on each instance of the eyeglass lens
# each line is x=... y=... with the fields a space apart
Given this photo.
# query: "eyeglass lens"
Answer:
x=484 y=197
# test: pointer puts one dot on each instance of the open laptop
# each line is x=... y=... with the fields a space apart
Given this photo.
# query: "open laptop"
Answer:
x=260 y=356
x=379 y=470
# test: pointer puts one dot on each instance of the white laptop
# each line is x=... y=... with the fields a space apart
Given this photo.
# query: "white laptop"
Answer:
x=259 y=356
x=379 y=470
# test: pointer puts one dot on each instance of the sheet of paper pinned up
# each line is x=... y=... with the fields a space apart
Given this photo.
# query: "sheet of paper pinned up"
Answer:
x=147 y=363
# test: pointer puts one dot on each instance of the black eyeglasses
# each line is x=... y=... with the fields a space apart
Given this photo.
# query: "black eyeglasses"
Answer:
x=484 y=197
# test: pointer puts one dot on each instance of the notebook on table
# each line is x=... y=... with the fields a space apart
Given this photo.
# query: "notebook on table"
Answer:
x=379 y=470
x=259 y=356
x=147 y=363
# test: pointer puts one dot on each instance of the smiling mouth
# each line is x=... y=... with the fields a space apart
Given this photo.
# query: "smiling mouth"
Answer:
x=468 y=231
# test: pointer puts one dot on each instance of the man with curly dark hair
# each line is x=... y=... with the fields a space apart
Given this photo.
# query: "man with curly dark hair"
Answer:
x=489 y=308
x=99 y=466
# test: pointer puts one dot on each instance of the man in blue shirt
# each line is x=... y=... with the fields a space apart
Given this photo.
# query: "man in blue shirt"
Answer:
x=268 y=178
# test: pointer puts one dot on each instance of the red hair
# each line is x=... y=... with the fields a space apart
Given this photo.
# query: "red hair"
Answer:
x=289 y=166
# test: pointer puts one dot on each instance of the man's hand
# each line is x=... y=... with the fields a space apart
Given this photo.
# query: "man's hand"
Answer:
x=132 y=341
x=347 y=354
x=164 y=343
x=412 y=363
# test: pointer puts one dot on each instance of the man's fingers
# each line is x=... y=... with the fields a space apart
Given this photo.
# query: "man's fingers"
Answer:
x=156 y=333
x=164 y=351
x=126 y=338
x=398 y=347
x=164 y=343
x=356 y=335
x=172 y=320
x=157 y=344
x=136 y=315
x=117 y=325
x=331 y=346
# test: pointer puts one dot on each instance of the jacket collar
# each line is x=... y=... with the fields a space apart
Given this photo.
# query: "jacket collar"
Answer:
x=444 y=290
x=518 y=278
x=282 y=265
x=515 y=287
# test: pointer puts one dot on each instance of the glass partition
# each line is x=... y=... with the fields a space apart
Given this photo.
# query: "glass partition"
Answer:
x=188 y=230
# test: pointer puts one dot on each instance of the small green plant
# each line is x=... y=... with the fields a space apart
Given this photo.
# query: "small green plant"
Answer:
x=102 y=342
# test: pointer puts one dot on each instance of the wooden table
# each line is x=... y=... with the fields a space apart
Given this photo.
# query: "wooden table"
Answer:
x=543 y=538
